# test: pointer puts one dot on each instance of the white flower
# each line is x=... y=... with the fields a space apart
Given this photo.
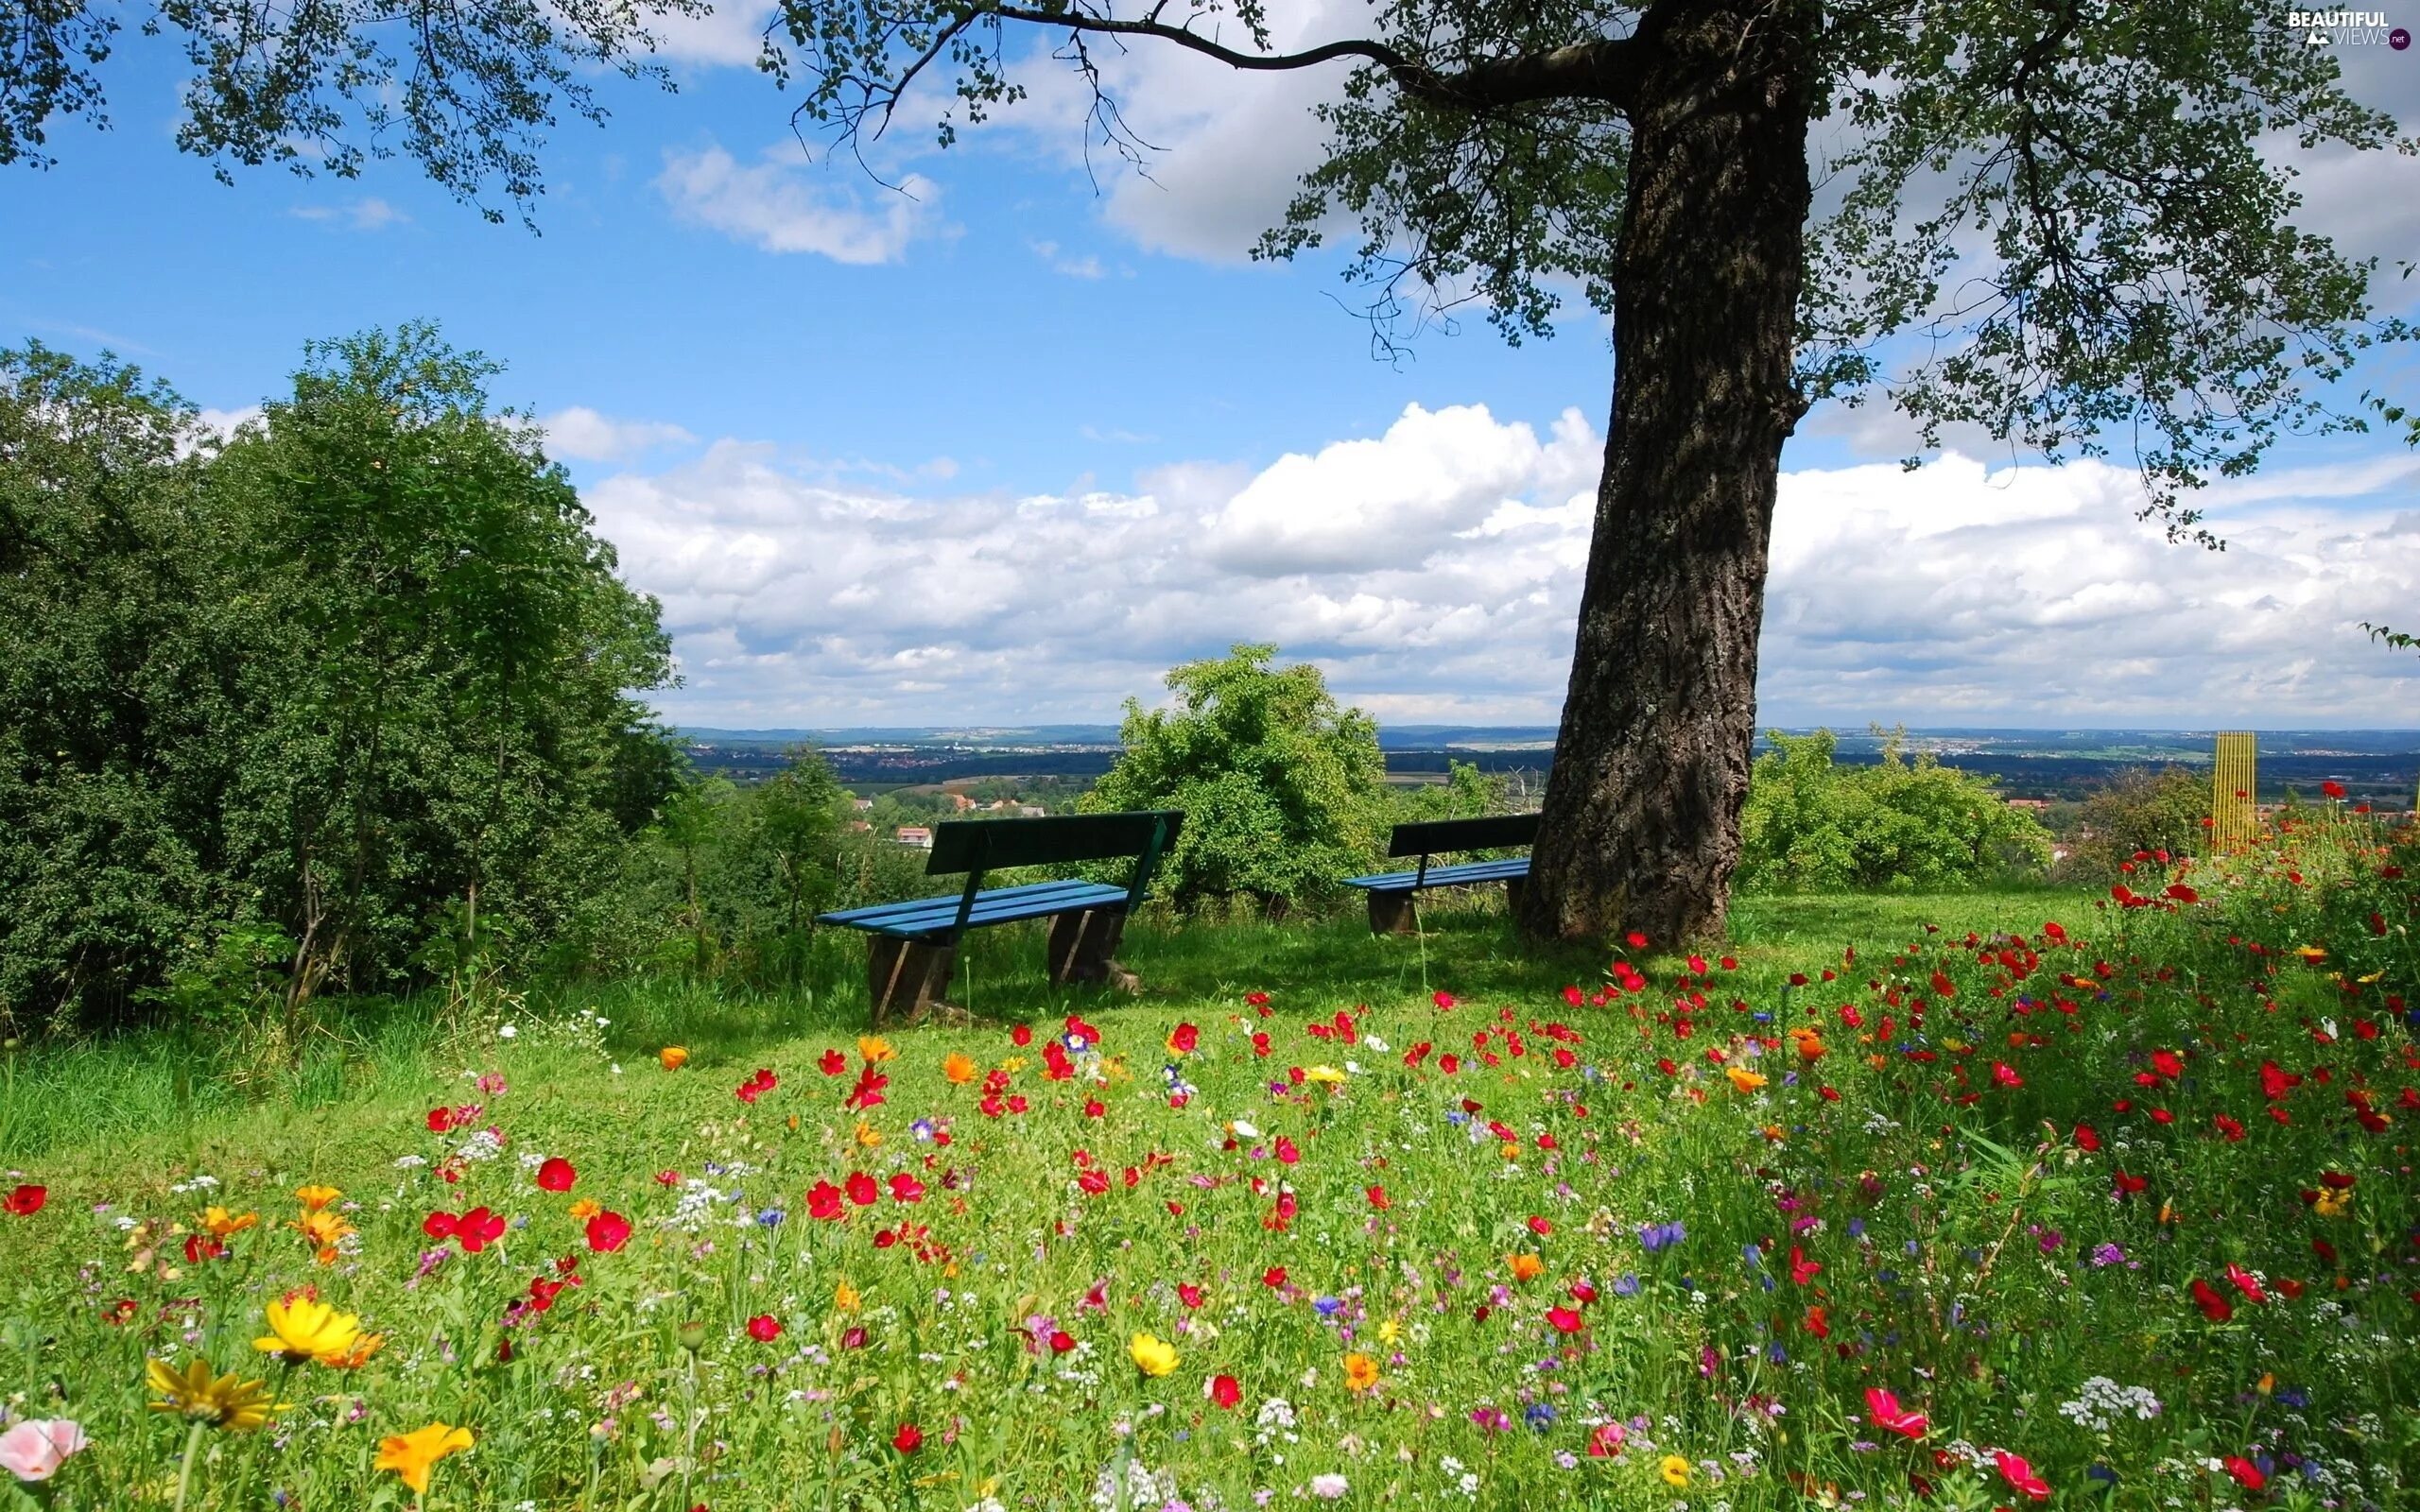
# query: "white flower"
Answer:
x=1328 y=1487
x=507 y=1032
x=1244 y=1130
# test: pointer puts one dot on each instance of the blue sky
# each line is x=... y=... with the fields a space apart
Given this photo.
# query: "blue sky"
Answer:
x=1006 y=450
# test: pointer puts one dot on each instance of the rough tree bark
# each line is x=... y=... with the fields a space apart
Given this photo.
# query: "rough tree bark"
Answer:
x=1641 y=828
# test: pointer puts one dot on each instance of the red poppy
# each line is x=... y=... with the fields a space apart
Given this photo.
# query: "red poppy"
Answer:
x=2005 y=1075
x=1540 y=1227
x=474 y=1231
x=2245 y=1283
x=909 y=1439
x=1021 y=1035
x=832 y=1062
x=2246 y=1473
x=1883 y=1408
x=1564 y=1319
x=26 y=1200
x=1062 y=1341
x=861 y=1189
x=2332 y=788
x=824 y=1200
x=1188 y=1294
x=2168 y=1063
x=1274 y=1276
x=556 y=1174
x=1802 y=1269
x=2126 y=1186
x=1378 y=1198
x=2214 y=1307
x=1287 y=1152
x=1185 y=1038
x=2228 y=1128
x=906 y=1188
x=758 y=1086
x=1444 y=1000
x=764 y=1328
x=1224 y=1391
x=608 y=1232
x=2020 y=1476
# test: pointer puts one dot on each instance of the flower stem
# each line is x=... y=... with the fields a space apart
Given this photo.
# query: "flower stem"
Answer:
x=184 y=1475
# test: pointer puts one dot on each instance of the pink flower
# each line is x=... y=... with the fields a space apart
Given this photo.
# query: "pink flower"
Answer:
x=34 y=1450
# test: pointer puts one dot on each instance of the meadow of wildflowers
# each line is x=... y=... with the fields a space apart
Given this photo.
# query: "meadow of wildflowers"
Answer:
x=2110 y=1206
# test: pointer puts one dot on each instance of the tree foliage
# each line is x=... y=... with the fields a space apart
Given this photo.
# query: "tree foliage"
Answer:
x=360 y=676
x=1900 y=825
x=2143 y=809
x=1281 y=788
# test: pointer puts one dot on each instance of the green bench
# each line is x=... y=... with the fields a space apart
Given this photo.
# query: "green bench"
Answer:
x=1392 y=894
x=913 y=947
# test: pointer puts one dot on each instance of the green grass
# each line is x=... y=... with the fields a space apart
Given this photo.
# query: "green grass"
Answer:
x=1916 y=1213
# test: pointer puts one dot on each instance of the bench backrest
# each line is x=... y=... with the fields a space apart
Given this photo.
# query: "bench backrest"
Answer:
x=1436 y=836
x=976 y=846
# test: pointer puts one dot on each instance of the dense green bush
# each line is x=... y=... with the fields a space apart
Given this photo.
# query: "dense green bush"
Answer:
x=353 y=686
x=1902 y=824
x=2140 y=810
x=1282 y=790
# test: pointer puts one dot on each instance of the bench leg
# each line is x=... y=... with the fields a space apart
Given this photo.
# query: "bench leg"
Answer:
x=1393 y=913
x=1514 y=888
x=1081 y=945
x=906 y=977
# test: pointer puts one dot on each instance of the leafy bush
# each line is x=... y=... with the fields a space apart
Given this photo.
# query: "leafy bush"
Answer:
x=360 y=676
x=1903 y=824
x=1282 y=791
x=2140 y=810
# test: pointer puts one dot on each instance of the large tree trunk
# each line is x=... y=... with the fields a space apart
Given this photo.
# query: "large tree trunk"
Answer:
x=1650 y=768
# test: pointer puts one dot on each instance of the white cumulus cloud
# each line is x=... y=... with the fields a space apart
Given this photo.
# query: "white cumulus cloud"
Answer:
x=583 y=434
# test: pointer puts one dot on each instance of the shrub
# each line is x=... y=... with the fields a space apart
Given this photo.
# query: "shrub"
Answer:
x=2141 y=809
x=1282 y=790
x=1903 y=824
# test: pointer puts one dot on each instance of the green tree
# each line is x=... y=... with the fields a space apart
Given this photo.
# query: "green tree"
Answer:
x=442 y=661
x=2056 y=222
x=119 y=713
x=1281 y=789
x=2141 y=809
x=1901 y=824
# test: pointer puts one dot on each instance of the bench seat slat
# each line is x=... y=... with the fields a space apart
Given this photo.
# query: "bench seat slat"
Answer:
x=1461 y=875
x=994 y=905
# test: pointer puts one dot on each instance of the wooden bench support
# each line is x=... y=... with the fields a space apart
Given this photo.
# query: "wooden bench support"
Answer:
x=1082 y=947
x=1394 y=913
x=906 y=977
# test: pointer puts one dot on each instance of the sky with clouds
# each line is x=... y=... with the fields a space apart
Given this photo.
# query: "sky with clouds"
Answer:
x=1001 y=438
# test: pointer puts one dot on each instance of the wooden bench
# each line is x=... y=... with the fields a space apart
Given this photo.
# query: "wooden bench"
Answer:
x=913 y=947
x=1391 y=908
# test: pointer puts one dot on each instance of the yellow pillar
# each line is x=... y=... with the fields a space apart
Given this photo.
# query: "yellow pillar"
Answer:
x=2234 y=819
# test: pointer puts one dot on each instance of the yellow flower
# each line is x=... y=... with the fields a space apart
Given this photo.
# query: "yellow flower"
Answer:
x=2332 y=1203
x=1360 y=1372
x=586 y=1208
x=1324 y=1075
x=959 y=1067
x=1524 y=1267
x=672 y=1058
x=868 y=1135
x=846 y=1298
x=875 y=1048
x=357 y=1356
x=1743 y=1079
x=411 y=1455
x=323 y=1228
x=223 y=1224
x=1390 y=1330
x=1674 y=1469
x=1152 y=1356
x=219 y=1401
x=314 y=1196
x=2311 y=954
x=305 y=1328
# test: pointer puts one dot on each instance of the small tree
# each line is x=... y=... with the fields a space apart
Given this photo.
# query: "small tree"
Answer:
x=2140 y=809
x=1900 y=824
x=1280 y=788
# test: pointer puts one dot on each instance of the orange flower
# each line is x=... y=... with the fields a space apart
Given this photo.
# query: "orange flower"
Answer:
x=959 y=1067
x=1743 y=1079
x=316 y=1197
x=1525 y=1267
x=1360 y=1372
x=672 y=1058
x=586 y=1209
